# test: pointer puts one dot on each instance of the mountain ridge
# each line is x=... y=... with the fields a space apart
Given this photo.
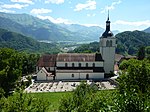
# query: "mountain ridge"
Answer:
x=45 y=30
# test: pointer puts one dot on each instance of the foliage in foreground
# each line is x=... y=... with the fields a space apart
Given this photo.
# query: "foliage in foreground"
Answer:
x=134 y=87
x=84 y=99
x=22 y=102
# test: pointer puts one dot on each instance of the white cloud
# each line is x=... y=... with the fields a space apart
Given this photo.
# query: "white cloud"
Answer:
x=40 y=11
x=7 y=11
x=138 y=23
x=130 y=26
x=89 y=5
x=23 y=1
x=57 y=21
x=111 y=7
x=55 y=1
x=15 y=6
x=89 y=25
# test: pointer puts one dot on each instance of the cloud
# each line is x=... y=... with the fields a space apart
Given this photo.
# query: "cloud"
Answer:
x=54 y=1
x=40 y=11
x=15 y=6
x=89 y=25
x=111 y=7
x=89 y=5
x=7 y=11
x=57 y=21
x=137 y=24
x=23 y=1
x=122 y=25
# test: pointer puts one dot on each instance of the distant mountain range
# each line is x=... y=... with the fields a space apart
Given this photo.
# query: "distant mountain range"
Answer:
x=22 y=43
x=45 y=30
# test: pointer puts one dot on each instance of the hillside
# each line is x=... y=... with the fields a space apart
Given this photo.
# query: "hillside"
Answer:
x=22 y=43
x=45 y=30
x=33 y=27
x=147 y=30
x=127 y=43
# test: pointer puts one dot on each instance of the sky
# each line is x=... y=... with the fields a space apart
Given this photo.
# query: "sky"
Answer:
x=125 y=15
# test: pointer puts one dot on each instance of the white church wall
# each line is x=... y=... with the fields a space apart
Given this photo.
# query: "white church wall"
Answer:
x=41 y=75
x=61 y=76
x=99 y=64
x=49 y=78
x=96 y=76
x=77 y=76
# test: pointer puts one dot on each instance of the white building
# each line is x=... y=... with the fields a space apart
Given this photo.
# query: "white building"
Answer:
x=75 y=66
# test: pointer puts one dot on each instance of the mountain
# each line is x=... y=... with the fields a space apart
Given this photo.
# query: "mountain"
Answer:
x=92 y=32
x=88 y=33
x=128 y=43
x=22 y=43
x=33 y=27
x=147 y=30
x=45 y=30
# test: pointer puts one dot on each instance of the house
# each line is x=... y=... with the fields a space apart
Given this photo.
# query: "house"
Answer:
x=75 y=66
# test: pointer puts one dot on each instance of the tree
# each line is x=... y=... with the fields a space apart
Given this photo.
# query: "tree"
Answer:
x=134 y=88
x=83 y=99
x=10 y=69
x=141 y=53
x=23 y=102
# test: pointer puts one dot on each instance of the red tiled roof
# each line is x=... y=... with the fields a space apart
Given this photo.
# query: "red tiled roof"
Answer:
x=50 y=60
x=47 y=61
x=75 y=57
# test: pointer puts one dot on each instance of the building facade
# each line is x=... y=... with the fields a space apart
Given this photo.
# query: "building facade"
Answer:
x=75 y=66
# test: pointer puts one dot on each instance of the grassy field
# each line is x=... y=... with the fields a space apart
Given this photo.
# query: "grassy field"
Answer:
x=52 y=97
x=55 y=97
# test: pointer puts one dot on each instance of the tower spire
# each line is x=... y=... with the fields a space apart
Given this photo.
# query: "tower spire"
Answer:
x=107 y=32
x=108 y=16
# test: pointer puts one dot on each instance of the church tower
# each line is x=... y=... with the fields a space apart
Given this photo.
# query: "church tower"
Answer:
x=107 y=48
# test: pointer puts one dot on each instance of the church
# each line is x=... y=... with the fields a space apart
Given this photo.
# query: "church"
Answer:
x=80 y=66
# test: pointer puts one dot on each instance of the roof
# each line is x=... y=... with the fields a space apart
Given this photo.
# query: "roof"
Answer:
x=47 y=73
x=76 y=57
x=118 y=57
x=47 y=60
x=107 y=32
x=116 y=68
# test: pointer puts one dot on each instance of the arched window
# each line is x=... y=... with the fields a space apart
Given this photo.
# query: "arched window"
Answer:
x=79 y=64
x=72 y=64
x=72 y=75
x=66 y=64
x=87 y=76
x=110 y=43
x=107 y=43
x=86 y=64
x=93 y=64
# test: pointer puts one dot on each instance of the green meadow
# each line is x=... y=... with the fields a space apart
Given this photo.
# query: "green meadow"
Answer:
x=55 y=97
